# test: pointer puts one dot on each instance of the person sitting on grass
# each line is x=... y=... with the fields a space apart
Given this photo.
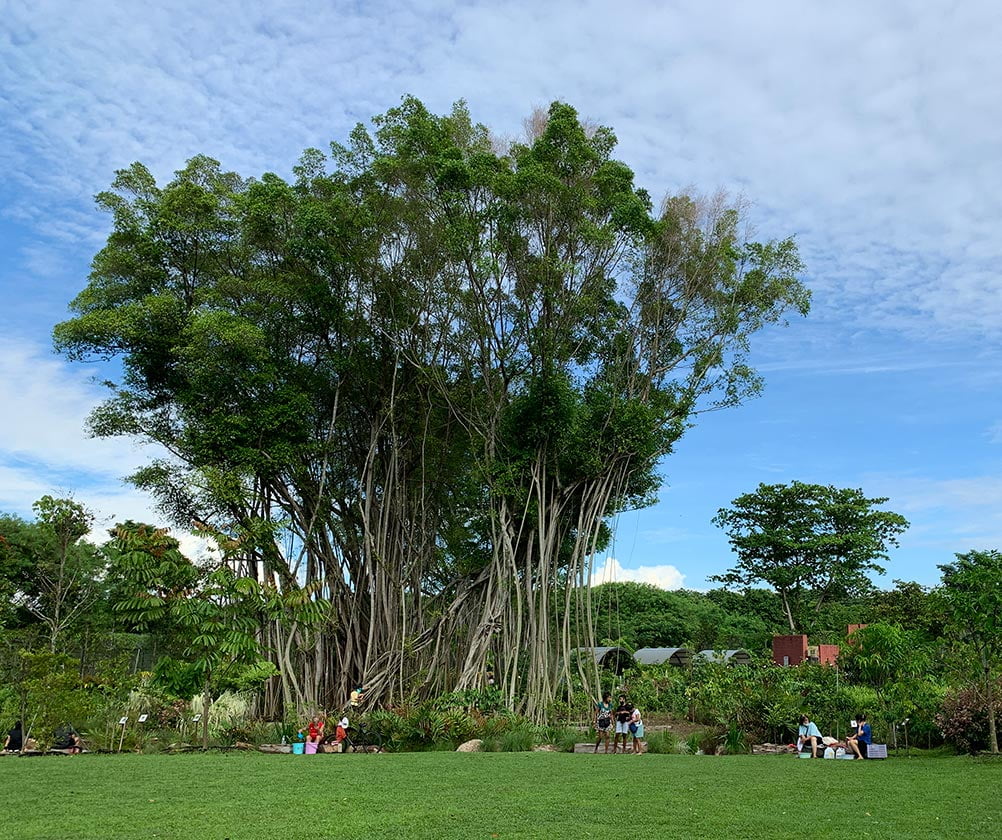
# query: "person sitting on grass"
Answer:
x=603 y=720
x=15 y=738
x=808 y=732
x=860 y=741
x=67 y=739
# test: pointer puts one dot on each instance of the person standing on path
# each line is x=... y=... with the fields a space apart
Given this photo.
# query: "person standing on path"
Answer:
x=636 y=728
x=603 y=721
x=624 y=710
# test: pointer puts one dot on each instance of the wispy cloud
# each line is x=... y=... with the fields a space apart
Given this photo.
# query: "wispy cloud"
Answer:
x=949 y=514
x=914 y=494
x=868 y=130
x=46 y=404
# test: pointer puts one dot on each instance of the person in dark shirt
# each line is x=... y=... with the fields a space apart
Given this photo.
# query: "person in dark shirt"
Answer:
x=861 y=740
x=623 y=713
x=68 y=739
x=14 y=738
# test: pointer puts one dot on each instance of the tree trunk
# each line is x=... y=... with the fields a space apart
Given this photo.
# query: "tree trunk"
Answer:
x=993 y=739
x=788 y=612
x=206 y=702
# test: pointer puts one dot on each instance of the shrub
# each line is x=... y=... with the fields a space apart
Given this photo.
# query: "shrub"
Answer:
x=389 y=725
x=521 y=738
x=496 y=725
x=710 y=739
x=564 y=738
x=228 y=708
x=964 y=718
x=658 y=688
x=666 y=743
x=51 y=691
x=736 y=741
x=692 y=743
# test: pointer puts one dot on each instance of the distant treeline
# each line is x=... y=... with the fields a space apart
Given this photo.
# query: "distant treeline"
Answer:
x=637 y=615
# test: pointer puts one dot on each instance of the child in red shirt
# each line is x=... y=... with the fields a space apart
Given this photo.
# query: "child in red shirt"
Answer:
x=315 y=730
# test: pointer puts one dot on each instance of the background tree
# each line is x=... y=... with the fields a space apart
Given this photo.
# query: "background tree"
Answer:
x=809 y=542
x=19 y=542
x=638 y=615
x=55 y=575
x=971 y=595
x=909 y=605
x=207 y=615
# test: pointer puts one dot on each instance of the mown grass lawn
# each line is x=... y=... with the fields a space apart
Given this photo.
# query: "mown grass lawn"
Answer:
x=495 y=795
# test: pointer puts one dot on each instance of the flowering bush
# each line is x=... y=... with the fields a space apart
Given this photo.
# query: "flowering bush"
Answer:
x=964 y=718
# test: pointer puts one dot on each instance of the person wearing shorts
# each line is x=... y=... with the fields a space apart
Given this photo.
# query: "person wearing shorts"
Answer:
x=808 y=733
x=315 y=730
x=859 y=741
x=624 y=710
x=636 y=727
x=603 y=720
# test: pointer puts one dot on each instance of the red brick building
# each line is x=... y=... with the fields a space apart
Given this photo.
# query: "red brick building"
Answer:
x=793 y=650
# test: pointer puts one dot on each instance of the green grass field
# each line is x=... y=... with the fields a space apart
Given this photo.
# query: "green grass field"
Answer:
x=495 y=795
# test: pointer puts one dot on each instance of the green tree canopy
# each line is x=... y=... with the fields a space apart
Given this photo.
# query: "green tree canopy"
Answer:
x=207 y=615
x=423 y=374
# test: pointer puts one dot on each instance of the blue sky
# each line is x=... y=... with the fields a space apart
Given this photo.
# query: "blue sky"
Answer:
x=872 y=132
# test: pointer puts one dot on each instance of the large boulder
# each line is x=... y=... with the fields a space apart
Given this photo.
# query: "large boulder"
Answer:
x=470 y=746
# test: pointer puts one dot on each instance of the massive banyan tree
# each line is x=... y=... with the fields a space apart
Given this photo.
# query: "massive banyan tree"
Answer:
x=415 y=382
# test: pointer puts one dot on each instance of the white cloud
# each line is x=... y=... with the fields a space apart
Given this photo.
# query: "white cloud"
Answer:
x=45 y=450
x=612 y=571
x=870 y=130
x=46 y=403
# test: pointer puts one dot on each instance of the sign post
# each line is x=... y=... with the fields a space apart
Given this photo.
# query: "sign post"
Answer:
x=142 y=730
x=123 y=722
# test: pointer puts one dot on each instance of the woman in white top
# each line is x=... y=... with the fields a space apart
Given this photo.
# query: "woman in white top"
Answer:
x=636 y=730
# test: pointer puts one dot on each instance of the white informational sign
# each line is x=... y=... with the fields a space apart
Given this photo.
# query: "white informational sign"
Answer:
x=123 y=721
x=196 y=719
x=142 y=718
